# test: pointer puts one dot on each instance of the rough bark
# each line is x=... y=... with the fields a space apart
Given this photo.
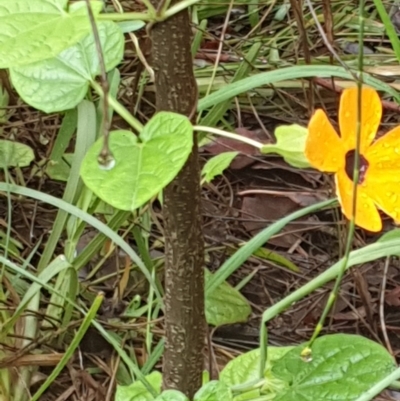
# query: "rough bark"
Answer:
x=184 y=277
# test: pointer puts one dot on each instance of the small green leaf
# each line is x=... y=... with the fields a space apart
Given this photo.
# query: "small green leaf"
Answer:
x=214 y=391
x=217 y=164
x=281 y=12
x=171 y=395
x=137 y=391
x=342 y=368
x=276 y=258
x=245 y=368
x=15 y=154
x=60 y=83
x=35 y=30
x=290 y=144
x=225 y=305
x=60 y=170
x=144 y=165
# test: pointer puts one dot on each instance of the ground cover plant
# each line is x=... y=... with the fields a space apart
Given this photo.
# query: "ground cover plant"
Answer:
x=151 y=221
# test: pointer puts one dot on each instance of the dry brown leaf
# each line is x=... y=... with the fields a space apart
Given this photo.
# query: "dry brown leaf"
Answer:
x=267 y=208
x=392 y=297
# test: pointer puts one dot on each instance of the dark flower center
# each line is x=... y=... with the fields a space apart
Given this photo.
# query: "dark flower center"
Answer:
x=362 y=164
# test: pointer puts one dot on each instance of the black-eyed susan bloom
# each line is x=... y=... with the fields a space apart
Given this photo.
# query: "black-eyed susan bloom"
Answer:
x=378 y=183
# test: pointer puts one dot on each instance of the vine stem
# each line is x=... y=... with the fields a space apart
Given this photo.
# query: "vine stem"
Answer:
x=380 y=386
x=182 y=5
x=237 y=137
x=150 y=16
x=119 y=108
x=117 y=17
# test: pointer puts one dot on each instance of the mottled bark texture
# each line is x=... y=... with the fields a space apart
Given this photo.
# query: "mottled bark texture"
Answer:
x=184 y=277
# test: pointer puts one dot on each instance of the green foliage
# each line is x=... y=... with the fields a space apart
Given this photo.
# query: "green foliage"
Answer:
x=271 y=77
x=58 y=265
x=38 y=30
x=4 y=99
x=61 y=82
x=225 y=305
x=15 y=154
x=216 y=165
x=53 y=61
x=60 y=170
x=390 y=235
x=137 y=391
x=10 y=245
x=58 y=167
x=389 y=27
x=171 y=395
x=144 y=165
x=275 y=257
x=242 y=254
x=282 y=11
x=209 y=8
x=374 y=251
x=72 y=347
x=290 y=144
x=219 y=109
x=214 y=391
x=393 y=234
x=342 y=368
x=245 y=367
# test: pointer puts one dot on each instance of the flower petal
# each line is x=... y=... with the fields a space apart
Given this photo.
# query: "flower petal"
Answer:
x=367 y=215
x=371 y=113
x=324 y=149
x=382 y=179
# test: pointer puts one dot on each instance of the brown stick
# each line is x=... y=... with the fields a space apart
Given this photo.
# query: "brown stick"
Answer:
x=184 y=248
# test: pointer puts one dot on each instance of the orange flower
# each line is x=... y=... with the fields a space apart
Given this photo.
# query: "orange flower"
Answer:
x=379 y=162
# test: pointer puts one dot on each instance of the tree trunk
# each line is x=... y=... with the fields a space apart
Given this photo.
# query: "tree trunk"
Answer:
x=184 y=276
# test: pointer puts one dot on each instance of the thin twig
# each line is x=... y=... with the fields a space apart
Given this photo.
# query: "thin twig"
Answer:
x=105 y=157
x=298 y=13
x=326 y=41
x=382 y=307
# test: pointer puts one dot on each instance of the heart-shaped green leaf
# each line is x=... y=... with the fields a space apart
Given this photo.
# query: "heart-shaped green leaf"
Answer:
x=34 y=30
x=171 y=395
x=213 y=391
x=144 y=165
x=225 y=305
x=60 y=83
x=15 y=154
x=137 y=391
x=246 y=367
x=342 y=368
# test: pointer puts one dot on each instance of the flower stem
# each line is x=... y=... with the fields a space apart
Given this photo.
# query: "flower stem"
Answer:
x=237 y=137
